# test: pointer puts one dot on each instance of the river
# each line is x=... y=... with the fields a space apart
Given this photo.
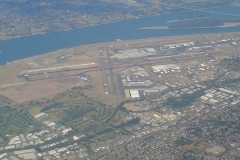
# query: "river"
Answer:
x=23 y=47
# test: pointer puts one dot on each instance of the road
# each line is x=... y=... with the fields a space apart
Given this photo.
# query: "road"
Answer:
x=104 y=75
x=169 y=129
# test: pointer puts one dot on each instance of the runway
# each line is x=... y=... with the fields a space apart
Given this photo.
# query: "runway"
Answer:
x=104 y=75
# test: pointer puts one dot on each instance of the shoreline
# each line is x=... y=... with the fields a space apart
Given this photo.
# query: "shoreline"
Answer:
x=85 y=26
x=188 y=19
x=121 y=42
x=226 y=25
x=81 y=27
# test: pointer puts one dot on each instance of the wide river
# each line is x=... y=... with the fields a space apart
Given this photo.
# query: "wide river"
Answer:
x=19 y=48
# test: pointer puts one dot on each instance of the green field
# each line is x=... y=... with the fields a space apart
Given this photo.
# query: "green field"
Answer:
x=110 y=135
x=231 y=64
x=72 y=108
x=183 y=100
x=196 y=150
x=4 y=101
x=13 y=122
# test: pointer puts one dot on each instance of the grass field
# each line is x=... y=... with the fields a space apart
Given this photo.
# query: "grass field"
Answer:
x=79 y=55
x=13 y=122
x=8 y=73
x=231 y=64
x=82 y=113
x=111 y=135
x=34 y=110
x=86 y=110
x=119 y=118
x=4 y=101
x=72 y=108
x=97 y=92
x=196 y=149
x=39 y=89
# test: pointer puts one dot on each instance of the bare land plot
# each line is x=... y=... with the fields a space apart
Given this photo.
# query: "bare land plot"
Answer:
x=39 y=89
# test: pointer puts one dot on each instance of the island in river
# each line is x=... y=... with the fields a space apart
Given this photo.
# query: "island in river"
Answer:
x=19 y=48
x=224 y=25
x=189 y=19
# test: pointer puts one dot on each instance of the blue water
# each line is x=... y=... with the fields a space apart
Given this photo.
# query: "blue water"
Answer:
x=19 y=48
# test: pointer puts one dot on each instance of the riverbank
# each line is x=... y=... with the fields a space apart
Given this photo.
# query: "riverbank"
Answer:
x=225 y=25
x=85 y=26
x=187 y=19
x=24 y=47
x=126 y=43
x=2 y=38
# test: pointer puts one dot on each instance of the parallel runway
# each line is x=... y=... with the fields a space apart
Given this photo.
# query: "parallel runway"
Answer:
x=104 y=75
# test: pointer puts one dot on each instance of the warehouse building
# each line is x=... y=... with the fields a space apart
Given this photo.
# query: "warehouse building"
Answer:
x=134 y=93
x=160 y=68
x=41 y=115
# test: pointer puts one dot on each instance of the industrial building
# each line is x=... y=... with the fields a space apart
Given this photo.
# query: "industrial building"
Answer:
x=134 y=93
x=41 y=115
x=134 y=53
x=160 y=68
x=26 y=154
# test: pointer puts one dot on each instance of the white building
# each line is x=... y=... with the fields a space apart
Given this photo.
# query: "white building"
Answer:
x=134 y=93
x=41 y=115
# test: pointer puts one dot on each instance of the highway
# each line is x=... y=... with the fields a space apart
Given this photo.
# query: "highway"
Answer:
x=171 y=128
x=104 y=75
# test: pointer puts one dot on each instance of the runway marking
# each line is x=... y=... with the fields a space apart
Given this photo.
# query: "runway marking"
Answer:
x=46 y=69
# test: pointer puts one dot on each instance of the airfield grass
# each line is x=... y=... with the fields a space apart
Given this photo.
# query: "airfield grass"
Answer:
x=13 y=69
x=77 y=110
x=206 y=73
x=8 y=73
x=97 y=92
x=110 y=85
x=221 y=53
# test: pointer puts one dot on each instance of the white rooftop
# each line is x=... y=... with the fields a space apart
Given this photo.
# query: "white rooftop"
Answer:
x=40 y=115
x=164 y=67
